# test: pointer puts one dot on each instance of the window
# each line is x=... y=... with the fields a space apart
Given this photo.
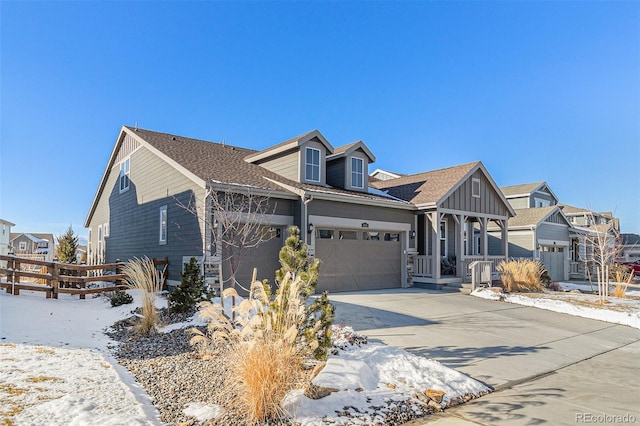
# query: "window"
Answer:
x=105 y=228
x=89 y=244
x=475 y=187
x=357 y=172
x=23 y=246
x=124 y=175
x=325 y=234
x=163 y=225
x=443 y=238
x=348 y=235
x=312 y=165
x=391 y=237
x=539 y=202
x=99 y=254
x=371 y=236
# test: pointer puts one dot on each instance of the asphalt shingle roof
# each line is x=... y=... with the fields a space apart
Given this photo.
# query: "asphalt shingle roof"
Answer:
x=427 y=187
x=526 y=188
x=213 y=161
x=531 y=216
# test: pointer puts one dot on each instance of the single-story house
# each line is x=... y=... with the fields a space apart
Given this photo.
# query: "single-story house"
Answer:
x=39 y=246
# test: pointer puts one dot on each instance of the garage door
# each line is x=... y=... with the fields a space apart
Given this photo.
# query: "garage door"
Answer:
x=358 y=260
x=554 y=262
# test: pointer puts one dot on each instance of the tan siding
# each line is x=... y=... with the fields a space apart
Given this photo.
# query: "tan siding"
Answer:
x=519 y=203
x=285 y=164
x=129 y=144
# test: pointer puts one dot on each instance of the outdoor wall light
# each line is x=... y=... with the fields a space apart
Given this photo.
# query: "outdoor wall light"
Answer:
x=413 y=234
x=215 y=223
x=310 y=228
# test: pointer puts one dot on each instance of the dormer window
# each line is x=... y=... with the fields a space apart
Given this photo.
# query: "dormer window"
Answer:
x=312 y=165
x=357 y=172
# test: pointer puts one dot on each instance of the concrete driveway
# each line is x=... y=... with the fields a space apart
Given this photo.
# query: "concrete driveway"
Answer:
x=545 y=367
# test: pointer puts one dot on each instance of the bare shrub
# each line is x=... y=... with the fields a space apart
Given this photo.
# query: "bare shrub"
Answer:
x=521 y=275
x=143 y=275
x=264 y=352
x=622 y=275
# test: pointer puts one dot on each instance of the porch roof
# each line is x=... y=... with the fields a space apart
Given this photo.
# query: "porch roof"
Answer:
x=426 y=187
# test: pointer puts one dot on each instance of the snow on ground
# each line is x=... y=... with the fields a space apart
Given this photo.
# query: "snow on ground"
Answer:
x=370 y=375
x=617 y=310
x=56 y=368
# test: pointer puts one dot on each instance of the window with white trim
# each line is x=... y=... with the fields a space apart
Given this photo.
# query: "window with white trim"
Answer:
x=475 y=187
x=443 y=238
x=163 y=225
x=105 y=228
x=357 y=172
x=312 y=165
x=22 y=246
x=125 y=169
x=89 y=245
x=100 y=235
x=541 y=202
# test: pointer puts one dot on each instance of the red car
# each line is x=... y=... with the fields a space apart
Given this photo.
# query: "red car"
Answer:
x=635 y=266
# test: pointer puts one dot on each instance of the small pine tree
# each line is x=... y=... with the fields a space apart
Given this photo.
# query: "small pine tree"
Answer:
x=191 y=289
x=294 y=259
x=67 y=247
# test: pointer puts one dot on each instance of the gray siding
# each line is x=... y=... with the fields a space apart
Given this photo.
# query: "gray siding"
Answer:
x=552 y=232
x=489 y=201
x=134 y=215
x=336 y=172
x=356 y=211
x=285 y=164
x=520 y=244
x=541 y=196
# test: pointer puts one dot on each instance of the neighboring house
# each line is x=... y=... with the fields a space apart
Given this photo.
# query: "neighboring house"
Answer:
x=32 y=245
x=5 y=236
x=540 y=230
x=455 y=208
x=541 y=233
x=586 y=218
x=81 y=251
x=629 y=247
x=361 y=236
x=379 y=174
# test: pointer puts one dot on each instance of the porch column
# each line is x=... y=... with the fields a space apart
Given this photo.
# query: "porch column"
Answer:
x=435 y=244
x=505 y=238
x=485 y=240
x=460 y=265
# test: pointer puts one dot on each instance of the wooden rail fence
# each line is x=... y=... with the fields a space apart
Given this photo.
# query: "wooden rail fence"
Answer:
x=55 y=278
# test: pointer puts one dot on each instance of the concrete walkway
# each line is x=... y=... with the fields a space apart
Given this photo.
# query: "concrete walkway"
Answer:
x=545 y=367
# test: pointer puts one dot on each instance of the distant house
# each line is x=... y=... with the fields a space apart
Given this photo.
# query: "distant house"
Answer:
x=630 y=247
x=361 y=235
x=540 y=230
x=379 y=174
x=33 y=246
x=5 y=236
x=455 y=208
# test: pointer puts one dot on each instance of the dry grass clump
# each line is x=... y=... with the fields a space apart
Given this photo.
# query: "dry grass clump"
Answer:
x=622 y=275
x=521 y=275
x=264 y=351
x=143 y=275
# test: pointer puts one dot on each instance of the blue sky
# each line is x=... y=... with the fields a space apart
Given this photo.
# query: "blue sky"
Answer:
x=538 y=91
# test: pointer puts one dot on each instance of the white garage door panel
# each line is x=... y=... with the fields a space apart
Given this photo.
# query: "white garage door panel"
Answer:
x=349 y=265
x=554 y=263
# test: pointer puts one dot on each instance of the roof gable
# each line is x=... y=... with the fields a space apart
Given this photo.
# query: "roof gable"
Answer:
x=290 y=144
x=527 y=189
x=345 y=150
x=434 y=187
x=534 y=216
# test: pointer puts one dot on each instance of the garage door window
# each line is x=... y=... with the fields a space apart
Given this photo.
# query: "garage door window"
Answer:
x=348 y=235
x=391 y=237
x=371 y=236
x=325 y=234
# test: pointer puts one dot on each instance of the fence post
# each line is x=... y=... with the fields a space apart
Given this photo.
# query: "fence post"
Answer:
x=54 y=280
x=16 y=276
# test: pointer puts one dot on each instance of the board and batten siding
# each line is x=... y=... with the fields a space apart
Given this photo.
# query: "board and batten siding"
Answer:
x=489 y=201
x=134 y=215
x=284 y=164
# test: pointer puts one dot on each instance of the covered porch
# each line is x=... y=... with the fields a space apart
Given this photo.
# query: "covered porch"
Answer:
x=448 y=241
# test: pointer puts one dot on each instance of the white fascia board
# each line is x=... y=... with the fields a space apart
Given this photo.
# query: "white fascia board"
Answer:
x=553 y=242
